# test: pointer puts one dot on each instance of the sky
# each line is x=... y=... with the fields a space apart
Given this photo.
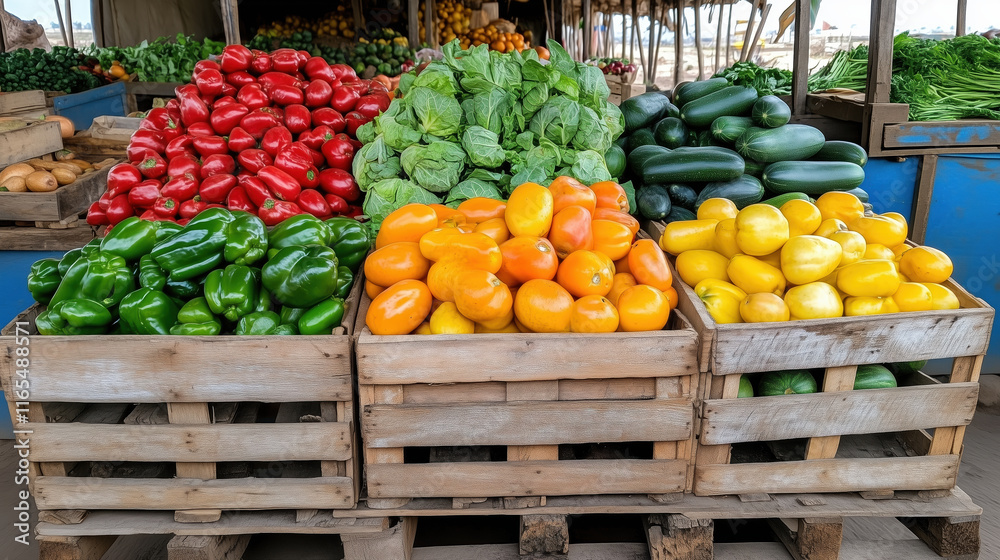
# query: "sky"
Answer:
x=45 y=10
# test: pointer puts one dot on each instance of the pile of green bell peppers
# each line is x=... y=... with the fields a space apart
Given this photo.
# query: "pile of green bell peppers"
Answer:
x=221 y=273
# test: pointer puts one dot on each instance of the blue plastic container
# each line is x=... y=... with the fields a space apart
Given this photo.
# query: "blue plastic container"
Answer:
x=81 y=108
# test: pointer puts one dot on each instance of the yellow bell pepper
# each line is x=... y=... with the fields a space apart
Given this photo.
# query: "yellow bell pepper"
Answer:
x=809 y=258
x=840 y=205
x=698 y=264
x=760 y=229
x=877 y=278
x=446 y=319
x=803 y=217
x=912 y=296
x=722 y=304
x=898 y=250
x=717 y=209
x=725 y=238
x=773 y=259
x=852 y=244
x=878 y=251
x=926 y=264
x=830 y=226
x=688 y=235
x=867 y=305
x=424 y=328
x=816 y=300
x=708 y=284
x=880 y=229
x=754 y=276
x=764 y=308
x=942 y=297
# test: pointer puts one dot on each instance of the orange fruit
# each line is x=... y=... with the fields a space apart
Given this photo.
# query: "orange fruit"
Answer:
x=527 y=258
x=571 y=230
x=648 y=264
x=396 y=262
x=480 y=209
x=543 y=306
x=643 y=308
x=618 y=216
x=495 y=229
x=407 y=223
x=585 y=273
x=481 y=296
x=399 y=309
x=610 y=195
x=433 y=243
x=473 y=250
x=529 y=211
x=372 y=290
x=593 y=314
x=441 y=279
x=621 y=282
x=613 y=239
x=447 y=216
x=567 y=191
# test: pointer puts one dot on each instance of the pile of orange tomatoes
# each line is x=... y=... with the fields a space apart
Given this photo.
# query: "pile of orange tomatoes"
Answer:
x=562 y=258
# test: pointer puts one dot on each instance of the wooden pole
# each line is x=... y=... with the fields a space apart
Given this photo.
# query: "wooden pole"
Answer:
x=879 y=70
x=231 y=21
x=652 y=37
x=800 y=62
x=62 y=25
x=430 y=25
x=963 y=9
x=747 y=34
x=412 y=22
x=588 y=30
x=631 y=42
x=697 y=39
x=623 y=30
x=664 y=10
x=755 y=46
x=359 y=18
x=678 y=41
x=609 y=35
x=69 y=24
x=729 y=35
x=718 y=39
x=642 y=55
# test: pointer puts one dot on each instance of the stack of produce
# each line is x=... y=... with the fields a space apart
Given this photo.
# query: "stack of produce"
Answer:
x=452 y=20
x=62 y=69
x=221 y=273
x=718 y=140
x=495 y=39
x=338 y=23
x=387 y=52
x=767 y=81
x=271 y=134
x=159 y=61
x=613 y=66
x=801 y=260
x=550 y=260
x=478 y=123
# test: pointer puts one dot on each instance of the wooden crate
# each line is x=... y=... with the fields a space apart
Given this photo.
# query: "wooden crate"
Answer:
x=24 y=104
x=36 y=139
x=527 y=412
x=224 y=423
x=61 y=205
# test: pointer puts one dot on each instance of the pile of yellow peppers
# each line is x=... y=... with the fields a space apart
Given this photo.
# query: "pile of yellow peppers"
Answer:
x=805 y=261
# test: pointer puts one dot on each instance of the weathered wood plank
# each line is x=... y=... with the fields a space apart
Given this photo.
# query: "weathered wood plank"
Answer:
x=233 y=523
x=395 y=542
x=834 y=379
x=607 y=389
x=810 y=538
x=65 y=202
x=17 y=238
x=526 y=423
x=203 y=547
x=32 y=141
x=533 y=391
x=418 y=393
x=942 y=133
x=828 y=475
x=947 y=536
x=192 y=413
x=678 y=537
x=525 y=478
x=74 y=548
x=543 y=535
x=843 y=413
x=389 y=395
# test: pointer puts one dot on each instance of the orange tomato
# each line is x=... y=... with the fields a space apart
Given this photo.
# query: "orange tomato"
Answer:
x=527 y=258
x=648 y=264
x=621 y=282
x=441 y=279
x=480 y=209
x=399 y=309
x=617 y=216
x=529 y=211
x=372 y=290
x=447 y=216
x=543 y=52
x=502 y=321
x=593 y=314
x=611 y=238
x=543 y=306
x=481 y=296
x=643 y=308
x=473 y=250
x=434 y=243
x=621 y=265
x=671 y=295
x=567 y=191
x=395 y=262
x=610 y=195
x=408 y=223
x=495 y=229
x=585 y=273
x=571 y=231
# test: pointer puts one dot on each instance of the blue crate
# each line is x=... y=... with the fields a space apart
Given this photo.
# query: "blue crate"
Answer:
x=81 y=108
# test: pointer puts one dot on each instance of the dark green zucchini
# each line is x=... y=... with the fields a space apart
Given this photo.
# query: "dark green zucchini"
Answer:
x=705 y=139
x=682 y=195
x=622 y=141
x=643 y=110
x=727 y=129
x=754 y=168
x=678 y=214
x=812 y=177
x=697 y=90
x=732 y=101
x=788 y=143
x=770 y=112
x=615 y=160
x=838 y=150
x=638 y=158
x=860 y=193
x=743 y=191
x=781 y=199
x=670 y=132
x=641 y=137
x=692 y=165
x=653 y=202
x=674 y=93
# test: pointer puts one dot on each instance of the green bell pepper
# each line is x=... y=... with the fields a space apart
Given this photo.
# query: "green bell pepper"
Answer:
x=166 y=228
x=195 y=318
x=301 y=229
x=323 y=317
x=43 y=279
x=103 y=278
x=146 y=311
x=301 y=276
x=150 y=274
x=208 y=328
x=345 y=280
x=196 y=249
x=291 y=315
x=263 y=323
x=351 y=241
x=73 y=255
x=74 y=317
x=233 y=292
x=184 y=289
x=246 y=239
x=264 y=302
x=130 y=239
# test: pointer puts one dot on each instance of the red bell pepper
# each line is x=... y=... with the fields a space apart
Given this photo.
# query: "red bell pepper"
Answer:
x=259 y=121
x=339 y=153
x=173 y=107
x=286 y=95
x=353 y=211
x=181 y=188
x=372 y=104
x=182 y=164
x=159 y=119
x=337 y=203
x=152 y=165
x=318 y=94
x=193 y=207
x=329 y=117
x=229 y=90
x=256 y=190
x=202 y=65
x=312 y=202
x=235 y=58
x=240 y=140
x=297 y=118
x=307 y=153
x=253 y=96
x=301 y=169
x=96 y=216
x=342 y=70
x=304 y=57
x=253 y=160
x=193 y=108
x=315 y=138
x=217 y=164
x=238 y=200
x=180 y=146
x=271 y=79
x=209 y=81
x=344 y=98
x=119 y=209
x=208 y=145
x=225 y=119
x=285 y=60
x=340 y=183
x=275 y=139
x=358 y=85
x=317 y=68
x=219 y=103
x=166 y=207
x=144 y=140
x=281 y=185
x=216 y=188
x=105 y=200
x=200 y=129
x=273 y=212
x=354 y=121
x=144 y=194
x=261 y=63
x=240 y=79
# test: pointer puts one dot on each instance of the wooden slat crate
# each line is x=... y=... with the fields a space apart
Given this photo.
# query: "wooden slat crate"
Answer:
x=34 y=140
x=224 y=422
x=61 y=205
x=526 y=412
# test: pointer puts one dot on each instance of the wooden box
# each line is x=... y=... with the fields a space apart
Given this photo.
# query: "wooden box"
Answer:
x=26 y=104
x=224 y=423
x=523 y=416
x=65 y=202
x=34 y=140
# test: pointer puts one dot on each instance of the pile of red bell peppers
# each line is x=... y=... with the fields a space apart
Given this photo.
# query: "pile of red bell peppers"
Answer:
x=269 y=133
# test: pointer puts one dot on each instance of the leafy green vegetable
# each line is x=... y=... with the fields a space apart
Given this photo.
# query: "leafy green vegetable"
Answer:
x=590 y=168
x=436 y=113
x=557 y=120
x=161 y=60
x=483 y=147
x=472 y=188
x=375 y=162
x=593 y=133
x=435 y=167
x=767 y=81
x=388 y=195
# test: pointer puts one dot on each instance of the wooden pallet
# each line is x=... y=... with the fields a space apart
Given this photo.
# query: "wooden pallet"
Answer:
x=32 y=141
x=200 y=443
x=61 y=206
x=531 y=415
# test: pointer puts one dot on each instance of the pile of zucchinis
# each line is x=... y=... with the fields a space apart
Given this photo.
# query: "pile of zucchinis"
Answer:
x=710 y=139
